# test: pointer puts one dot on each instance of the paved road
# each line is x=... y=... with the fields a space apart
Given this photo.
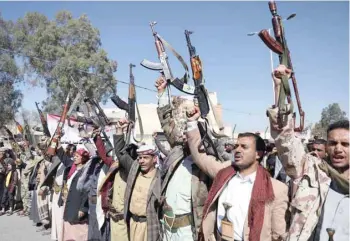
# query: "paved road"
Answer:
x=15 y=228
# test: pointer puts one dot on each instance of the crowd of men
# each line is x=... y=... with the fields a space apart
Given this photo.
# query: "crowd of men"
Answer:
x=250 y=190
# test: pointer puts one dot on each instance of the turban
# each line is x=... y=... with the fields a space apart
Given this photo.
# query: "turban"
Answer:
x=83 y=153
x=147 y=150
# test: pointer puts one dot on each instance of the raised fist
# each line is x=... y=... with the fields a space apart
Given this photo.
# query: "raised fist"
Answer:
x=160 y=84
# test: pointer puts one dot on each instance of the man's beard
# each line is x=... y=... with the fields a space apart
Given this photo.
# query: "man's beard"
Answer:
x=242 y=167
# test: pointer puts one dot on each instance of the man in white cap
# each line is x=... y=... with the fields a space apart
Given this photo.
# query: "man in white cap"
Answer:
x=140 y=212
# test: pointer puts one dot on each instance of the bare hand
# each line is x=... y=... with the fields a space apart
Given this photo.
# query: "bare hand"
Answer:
x=41 y=192
x=122 y=124
x=194 y=114
x=81 y=214
x=96 y=132
x=279 y=72
x=154 y=134
x=160 y=84
x=277 y=75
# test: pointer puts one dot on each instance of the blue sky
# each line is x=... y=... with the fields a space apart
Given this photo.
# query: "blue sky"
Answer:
x=236 y=66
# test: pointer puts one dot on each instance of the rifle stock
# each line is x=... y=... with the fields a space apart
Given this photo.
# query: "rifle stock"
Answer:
x=280 y=47
x=43 y=121
x=51 y=150
x=132 y=96
x=164 y=67
x=102 y=119
x=196 y=65
x=270 y=42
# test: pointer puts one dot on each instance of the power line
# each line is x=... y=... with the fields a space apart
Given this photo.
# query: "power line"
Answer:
x=102 y=78
x=241 y=112
x=79 y=70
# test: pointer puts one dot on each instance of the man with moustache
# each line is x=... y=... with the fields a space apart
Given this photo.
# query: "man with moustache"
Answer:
x=320 y=203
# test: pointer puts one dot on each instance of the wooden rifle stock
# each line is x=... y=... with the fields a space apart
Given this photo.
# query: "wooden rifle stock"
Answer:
x=43 y=121
x=270 y=42
x=280 y=47
x=196 y=65
x=51 y=150
x=132 y=96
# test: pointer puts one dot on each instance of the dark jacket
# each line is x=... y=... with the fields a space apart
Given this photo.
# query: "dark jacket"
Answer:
x=76 y=201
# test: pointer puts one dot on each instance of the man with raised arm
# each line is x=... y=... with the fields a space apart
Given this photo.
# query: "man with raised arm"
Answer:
x=244 y=202
x=320 y=200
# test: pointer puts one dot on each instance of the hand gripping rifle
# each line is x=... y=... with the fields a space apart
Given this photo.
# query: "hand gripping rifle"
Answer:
x=130 y=109
x=77 y=100
x=43 y=121
x=51 y=150
x=280 y=47
x=102 y=120
x=201 y=95
x=99 y=119
x=164 y=67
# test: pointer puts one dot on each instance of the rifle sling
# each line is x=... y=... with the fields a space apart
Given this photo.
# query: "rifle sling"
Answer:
x=285 y=88
x=180 y=84
x=140 y=121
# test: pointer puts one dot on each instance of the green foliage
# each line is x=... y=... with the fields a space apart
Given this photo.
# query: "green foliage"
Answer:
x=10 y=98
x=329 y=115
x=61 y=51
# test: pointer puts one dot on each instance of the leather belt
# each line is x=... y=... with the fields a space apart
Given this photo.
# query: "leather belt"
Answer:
x=93 y=199
x=219 y=238
x=115 y=215
x=139 y=219
x=179 y=221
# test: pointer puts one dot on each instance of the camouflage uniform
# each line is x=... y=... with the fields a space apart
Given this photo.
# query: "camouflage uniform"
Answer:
x=25 y=193
x=311 y=183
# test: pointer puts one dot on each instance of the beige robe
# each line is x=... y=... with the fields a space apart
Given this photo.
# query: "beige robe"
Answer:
x=119 y=230
x=138 y=205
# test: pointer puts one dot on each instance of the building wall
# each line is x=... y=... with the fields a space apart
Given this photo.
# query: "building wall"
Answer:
x=150 y=120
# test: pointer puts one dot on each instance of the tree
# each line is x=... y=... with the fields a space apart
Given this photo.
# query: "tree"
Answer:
x=61 y=52
x=10 y=98
x=329 y=115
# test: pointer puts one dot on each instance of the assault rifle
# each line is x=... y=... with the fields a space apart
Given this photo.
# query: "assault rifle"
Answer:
x=203 y=100
x=102 y=120
x=43 y=121
x=200 y=91
x=51 y=150
x=280 y=47
x=164 y=67
x=130 y=108
x=99 y=119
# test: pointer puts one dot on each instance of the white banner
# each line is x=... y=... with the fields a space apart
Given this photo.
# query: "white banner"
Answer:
x=71 y=134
